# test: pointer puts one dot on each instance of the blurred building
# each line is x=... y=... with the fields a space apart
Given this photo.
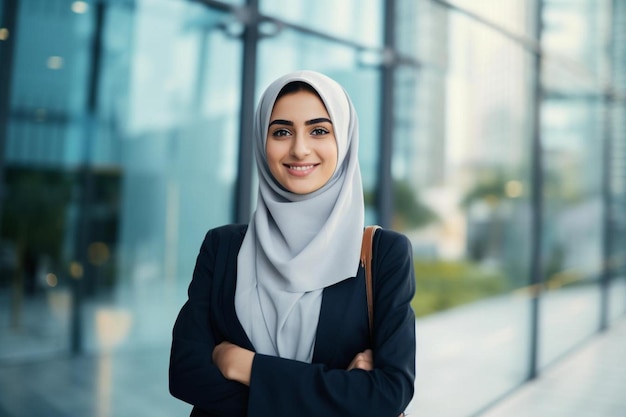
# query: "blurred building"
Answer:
x=493 y=134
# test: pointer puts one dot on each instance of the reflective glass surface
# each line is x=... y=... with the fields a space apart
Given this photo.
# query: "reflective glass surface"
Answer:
x=44 y=143
x=572 y=226
x=359 y=21
x=461 y=168
x=421 y=30
x=515 y=16
x=159 y=163
x=617 y=302
x=573 y=145
x=179 y=156
x=617 y=176
x=422 y=26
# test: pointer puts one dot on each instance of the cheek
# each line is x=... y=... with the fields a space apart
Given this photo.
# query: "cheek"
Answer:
x=272 y=152
x=331 y=154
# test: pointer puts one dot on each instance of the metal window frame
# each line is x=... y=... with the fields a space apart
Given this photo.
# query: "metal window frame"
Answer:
x=7 y=52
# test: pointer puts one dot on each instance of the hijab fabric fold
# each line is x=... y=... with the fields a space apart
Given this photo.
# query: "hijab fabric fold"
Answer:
x=298 y=244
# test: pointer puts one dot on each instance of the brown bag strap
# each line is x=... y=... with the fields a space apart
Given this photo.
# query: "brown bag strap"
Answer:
x=366 y=262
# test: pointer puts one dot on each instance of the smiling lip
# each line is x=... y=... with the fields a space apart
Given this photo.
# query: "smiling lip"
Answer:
x=300 y=170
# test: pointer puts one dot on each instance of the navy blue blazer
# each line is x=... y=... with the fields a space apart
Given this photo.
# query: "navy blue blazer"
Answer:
x=285 y=387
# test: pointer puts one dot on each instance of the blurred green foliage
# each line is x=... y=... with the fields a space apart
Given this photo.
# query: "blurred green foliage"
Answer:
x=34 y=211
x=441 y=285
x=489 y=189
x=409 y=211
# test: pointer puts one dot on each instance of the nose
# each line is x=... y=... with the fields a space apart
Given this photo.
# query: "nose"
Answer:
x=299 y=147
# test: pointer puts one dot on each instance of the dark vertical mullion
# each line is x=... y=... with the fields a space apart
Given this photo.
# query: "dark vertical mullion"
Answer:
x=607 y=202
x=607 y=168
x=384 y=192
x=243 y=191
x=86 y=179
x=618 y=129
x=8 y=22
x=536 y=267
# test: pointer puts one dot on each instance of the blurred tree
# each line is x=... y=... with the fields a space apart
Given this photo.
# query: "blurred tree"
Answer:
x=485 y=236
x=409 y=211
x=33 y=219
x=34 y=210
x=489 y=188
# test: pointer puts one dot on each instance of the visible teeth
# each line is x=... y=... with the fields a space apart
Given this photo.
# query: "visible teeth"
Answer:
x=300 y=168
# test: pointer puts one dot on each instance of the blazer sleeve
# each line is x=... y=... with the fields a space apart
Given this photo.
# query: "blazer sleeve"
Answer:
x=287 y=387
x=193 y=377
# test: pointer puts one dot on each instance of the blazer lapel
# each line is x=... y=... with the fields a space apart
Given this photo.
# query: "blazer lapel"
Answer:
x=343 y=315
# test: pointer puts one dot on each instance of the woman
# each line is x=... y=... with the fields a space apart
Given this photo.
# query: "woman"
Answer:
x=276 y=323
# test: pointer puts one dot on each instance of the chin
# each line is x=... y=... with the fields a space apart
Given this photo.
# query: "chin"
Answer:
x=302 y=190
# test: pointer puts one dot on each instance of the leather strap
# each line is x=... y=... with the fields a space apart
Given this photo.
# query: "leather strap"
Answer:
x=366 y=263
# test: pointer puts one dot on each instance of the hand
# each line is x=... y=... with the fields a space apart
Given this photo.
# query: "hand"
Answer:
x=363 y=360
x=234 y=362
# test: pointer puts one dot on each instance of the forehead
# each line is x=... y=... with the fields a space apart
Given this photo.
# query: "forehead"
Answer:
x=300 y=103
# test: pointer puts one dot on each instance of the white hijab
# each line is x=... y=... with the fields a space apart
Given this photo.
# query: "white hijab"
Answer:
x=298 y=244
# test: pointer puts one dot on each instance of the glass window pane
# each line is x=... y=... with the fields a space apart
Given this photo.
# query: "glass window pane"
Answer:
x=357 y=20
x=514 y=16
x=159 y=142
x=575 y=35
x=177 y=156
x=617 y=260
x=422 y=26
x=572 y=224
x=43 y=147
x=461 y=169
x=422 y=29
x=573 y=133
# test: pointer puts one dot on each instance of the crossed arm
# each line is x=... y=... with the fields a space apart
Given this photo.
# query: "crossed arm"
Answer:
x=235 y=363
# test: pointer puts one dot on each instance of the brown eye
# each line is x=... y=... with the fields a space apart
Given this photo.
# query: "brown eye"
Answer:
x=280 y=133
x=318 y=131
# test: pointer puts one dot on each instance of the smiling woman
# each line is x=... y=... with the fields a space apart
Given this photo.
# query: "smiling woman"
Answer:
x=301 y=147
x=288 y=332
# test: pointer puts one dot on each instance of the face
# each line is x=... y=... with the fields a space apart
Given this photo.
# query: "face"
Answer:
x=301 y=147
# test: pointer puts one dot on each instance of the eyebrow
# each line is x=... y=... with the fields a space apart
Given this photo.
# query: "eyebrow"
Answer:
x=318 y=120
x=308 y=122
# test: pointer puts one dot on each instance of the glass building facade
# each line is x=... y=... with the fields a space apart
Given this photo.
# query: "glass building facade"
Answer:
x=493 y=134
